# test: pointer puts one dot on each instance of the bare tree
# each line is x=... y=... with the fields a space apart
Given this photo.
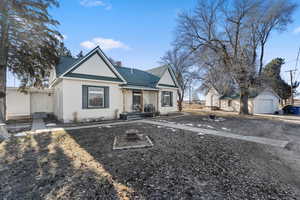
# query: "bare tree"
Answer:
x=181 y=62
x=229 y=30
x=274 y=15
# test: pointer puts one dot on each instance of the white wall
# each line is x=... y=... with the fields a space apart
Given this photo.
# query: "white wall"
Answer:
x=95 y=66
x=266 y=95
x=127 y=100
x=212 y=98
x=17 y=104
x=41 y=101
x=72 y=101
x=235 y=105
x=166 y=79
x=58 y=101
x=23 y=105
x=174 y=108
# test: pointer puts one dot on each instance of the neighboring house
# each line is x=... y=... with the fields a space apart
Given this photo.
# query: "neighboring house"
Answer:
x=263 y=101
x=91 y=87
x=212 y=98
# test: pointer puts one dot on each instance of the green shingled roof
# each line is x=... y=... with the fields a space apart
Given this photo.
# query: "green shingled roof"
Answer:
x=252 y=94
x=138 y=77
x=65 y=63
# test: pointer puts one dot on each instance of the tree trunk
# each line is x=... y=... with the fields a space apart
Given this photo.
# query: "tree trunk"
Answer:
x=3 y=60
x=180 y=100
x=2 y=93
x=261 y=59
x=244 y=93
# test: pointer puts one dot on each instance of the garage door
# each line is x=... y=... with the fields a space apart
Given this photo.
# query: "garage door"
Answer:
x=263 y=106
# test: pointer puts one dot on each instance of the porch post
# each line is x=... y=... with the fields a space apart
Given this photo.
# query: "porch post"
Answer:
x=157 y=103
x=124 y=98
x=142 y=100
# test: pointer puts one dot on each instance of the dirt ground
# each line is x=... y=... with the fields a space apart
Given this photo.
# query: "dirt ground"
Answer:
x=81 y=164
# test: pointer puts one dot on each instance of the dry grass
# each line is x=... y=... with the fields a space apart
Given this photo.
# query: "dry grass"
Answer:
x=81 y=164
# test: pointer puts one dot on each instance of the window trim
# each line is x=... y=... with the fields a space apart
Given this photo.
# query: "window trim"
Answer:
x=87 y=97
x=171 y=100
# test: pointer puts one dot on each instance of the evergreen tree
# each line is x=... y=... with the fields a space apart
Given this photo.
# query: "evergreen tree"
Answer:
x=272 y=78
x=63 y=50
x=80 y=54
x=28 y=43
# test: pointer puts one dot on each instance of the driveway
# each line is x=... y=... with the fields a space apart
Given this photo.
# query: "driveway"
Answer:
x=286 y=118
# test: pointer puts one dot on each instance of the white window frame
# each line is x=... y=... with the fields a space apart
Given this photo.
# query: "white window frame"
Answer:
x=95 y=92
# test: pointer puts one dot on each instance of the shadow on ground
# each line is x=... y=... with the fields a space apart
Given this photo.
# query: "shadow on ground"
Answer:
x=43 y=167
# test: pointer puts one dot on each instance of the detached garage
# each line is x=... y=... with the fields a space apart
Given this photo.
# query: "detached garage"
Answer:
x=264 y=101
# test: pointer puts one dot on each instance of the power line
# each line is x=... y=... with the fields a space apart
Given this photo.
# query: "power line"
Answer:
x=297 y=64
x=292 y=84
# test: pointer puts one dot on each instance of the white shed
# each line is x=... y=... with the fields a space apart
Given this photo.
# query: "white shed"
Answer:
x=212 y=98
x=264 y=101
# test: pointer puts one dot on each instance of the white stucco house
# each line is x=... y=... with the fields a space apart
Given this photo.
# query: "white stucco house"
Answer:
x=262 y=101
x=91 y=87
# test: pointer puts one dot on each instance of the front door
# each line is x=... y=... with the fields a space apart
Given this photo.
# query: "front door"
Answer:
x=137 y=101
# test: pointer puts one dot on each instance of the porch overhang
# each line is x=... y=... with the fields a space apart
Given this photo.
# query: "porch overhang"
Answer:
x=134 y=87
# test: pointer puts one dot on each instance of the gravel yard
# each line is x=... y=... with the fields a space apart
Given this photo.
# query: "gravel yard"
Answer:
x=81 y=164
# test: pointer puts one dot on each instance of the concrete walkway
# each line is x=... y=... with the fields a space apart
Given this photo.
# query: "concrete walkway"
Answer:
x=260 y=140
x=37 y=124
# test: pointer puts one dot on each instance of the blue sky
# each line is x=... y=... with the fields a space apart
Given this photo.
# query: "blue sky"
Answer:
x=139 y=32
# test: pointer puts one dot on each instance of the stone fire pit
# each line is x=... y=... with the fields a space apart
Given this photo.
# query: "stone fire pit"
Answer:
x=131 y=139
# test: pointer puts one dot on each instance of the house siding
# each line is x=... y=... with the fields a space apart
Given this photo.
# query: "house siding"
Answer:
x=166 y=79
x=168 y=109
x=95 y=66
x=72 y=101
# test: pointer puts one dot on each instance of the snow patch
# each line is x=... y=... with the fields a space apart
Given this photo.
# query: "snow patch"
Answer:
x=22 y=134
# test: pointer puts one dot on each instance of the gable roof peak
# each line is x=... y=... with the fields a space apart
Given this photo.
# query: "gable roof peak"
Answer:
x=158 y=71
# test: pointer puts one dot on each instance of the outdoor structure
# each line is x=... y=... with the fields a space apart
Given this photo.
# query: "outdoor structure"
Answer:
x=212 y=98
x=91 y=87
x=23 y=105
x=263 y=101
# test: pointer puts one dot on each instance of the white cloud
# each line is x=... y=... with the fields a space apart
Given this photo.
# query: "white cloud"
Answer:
x=296 y=30
x=104 y=43
x=95 y=3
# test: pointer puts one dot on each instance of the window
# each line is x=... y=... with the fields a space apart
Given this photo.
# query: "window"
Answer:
x=229 y=103
x=167 y=98
x=95 y=97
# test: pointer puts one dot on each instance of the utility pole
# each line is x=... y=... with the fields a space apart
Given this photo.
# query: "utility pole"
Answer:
x=190 y=93
x=292 y=84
